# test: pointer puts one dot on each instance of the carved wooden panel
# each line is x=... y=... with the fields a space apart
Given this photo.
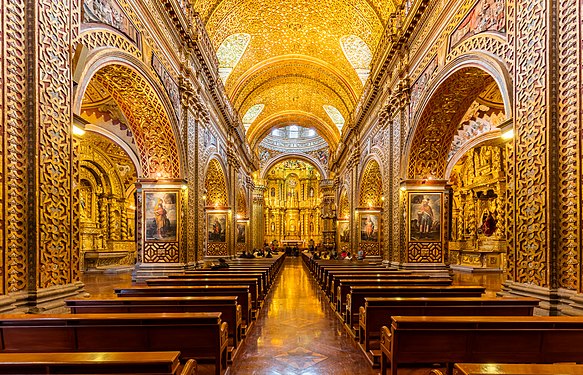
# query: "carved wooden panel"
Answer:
x=216 y=249
x=371 y=249
x=531 y=143
x=569 y=86
x=425 y=252
x=161 y=252
x=15 y=231
x=54 y=169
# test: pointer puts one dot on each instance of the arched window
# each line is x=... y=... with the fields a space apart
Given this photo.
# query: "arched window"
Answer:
x=230 y=52
x=358 y=54
x=335 y=116
x=252 y=114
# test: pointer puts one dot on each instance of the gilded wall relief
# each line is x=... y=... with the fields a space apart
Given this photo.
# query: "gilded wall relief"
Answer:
x=169 y=84
x=109 y=13
x=419 y=86
x=56 y=240
x=486 y=15
x=371 y=186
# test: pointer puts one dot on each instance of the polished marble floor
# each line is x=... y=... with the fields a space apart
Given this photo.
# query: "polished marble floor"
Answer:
x=297 y=332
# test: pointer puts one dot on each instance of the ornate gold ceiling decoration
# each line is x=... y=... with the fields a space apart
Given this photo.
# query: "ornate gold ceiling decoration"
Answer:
x=147 y=119
x=296 y=51
x=441 y=119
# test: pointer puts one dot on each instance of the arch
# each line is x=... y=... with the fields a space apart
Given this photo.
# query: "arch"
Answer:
x=260 y=130
x=282 y=157
x=444 y=104
x=215 y=183
x=142 y=99
x=118 y=141
x=371 y=185
x=343 y=204
x=480 y=139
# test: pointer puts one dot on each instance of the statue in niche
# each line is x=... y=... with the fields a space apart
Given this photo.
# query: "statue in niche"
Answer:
x=488 y=223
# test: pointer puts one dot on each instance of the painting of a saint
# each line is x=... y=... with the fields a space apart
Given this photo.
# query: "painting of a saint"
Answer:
x=217 y=227
x=425 y=217
x=241 y=233
x=344 y=231
x=161 y=216
x=369 y=228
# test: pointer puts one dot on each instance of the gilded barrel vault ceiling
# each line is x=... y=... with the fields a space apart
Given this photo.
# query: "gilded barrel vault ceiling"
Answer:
x=295 y=59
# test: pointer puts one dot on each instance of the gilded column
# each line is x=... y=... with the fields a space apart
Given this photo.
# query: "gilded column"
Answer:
x=258 y=218
x=328 y=213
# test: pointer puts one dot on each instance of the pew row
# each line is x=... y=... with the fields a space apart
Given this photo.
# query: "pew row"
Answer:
x=344 y=285
x=96 y=363
x=357 y=294
x=239 y=291
x=480 y=339
x=252 y=284
x=196 y=336
x=227 y=305
x=377 y=312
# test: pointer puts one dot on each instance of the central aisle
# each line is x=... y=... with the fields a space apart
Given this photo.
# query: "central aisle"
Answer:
x=298 y=333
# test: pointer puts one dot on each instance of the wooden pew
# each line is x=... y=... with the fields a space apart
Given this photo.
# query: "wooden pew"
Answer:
x=262 y=277
x=195 y=335
x=517 y=369
x=239 y=291
x=328 y=272
x=344 y=284
x=227 y=305
x=480 y=339
x=377 y=312
x=331 y=283
x=357 y=294
x=141 y=363
x=322 y=271
x=252 y=284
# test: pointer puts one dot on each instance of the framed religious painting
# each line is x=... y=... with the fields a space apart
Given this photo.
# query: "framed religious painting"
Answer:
x=343 y=231
x=241 y=233
x=369 y=223
x=217 y=227
x=425 y=223
x=161 y=215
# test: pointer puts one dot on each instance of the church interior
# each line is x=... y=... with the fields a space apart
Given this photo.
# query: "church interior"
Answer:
x=304 y=187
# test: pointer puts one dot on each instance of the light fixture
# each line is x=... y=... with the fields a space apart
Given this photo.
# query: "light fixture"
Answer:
x=204 y=197
x=184 y=187
x=382 y=199
x=403 y=188
x=78 y=131
x=509 y=134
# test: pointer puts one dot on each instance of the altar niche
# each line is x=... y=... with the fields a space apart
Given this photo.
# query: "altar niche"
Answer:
x=478 y=231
